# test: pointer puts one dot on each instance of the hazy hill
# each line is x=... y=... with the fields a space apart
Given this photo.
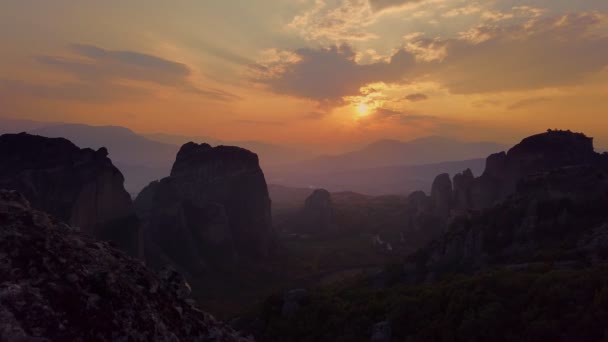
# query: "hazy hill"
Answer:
x=17 y=125
x=387 y=166
x=381 y=153
x=399 y=179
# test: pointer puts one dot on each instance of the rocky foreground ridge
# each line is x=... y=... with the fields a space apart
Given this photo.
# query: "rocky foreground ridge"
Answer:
x=57 y=284
x=213 y=209
x=78 y=186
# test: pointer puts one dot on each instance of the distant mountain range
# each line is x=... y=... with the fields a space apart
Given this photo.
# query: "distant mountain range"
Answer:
x=387 y=166
x=382 y=167
x=428 y=150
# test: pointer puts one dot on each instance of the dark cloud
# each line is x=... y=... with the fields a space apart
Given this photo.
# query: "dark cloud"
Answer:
x=329 y=74
x=94 y=66
x=416 y=97
x=528 y=103
x=378 y=5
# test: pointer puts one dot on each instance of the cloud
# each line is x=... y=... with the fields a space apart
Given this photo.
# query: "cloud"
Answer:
x=378 y=5
x=345 y=22
x=416 y=97
x=72 y=91
x=534 y=54
x=329 y=74
x=523 y=52
x=94 y=66
x=528 y=103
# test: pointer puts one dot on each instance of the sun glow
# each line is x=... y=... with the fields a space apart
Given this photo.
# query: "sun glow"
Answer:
x=363 y=109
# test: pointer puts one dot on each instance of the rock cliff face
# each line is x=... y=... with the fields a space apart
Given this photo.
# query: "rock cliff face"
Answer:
x=318 y=215
x=214 y=208
x=555 y=211
x=60 y=285
x=78 y=186
x=538 y=153
x=441 y=195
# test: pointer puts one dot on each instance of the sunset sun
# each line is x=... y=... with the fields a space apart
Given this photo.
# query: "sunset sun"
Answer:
x=363 y=109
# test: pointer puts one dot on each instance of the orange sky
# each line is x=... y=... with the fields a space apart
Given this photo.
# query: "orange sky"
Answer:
x=299 y=71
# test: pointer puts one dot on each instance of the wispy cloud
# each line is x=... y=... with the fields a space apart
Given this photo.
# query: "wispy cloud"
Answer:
x=96 y=67
x=525 y=103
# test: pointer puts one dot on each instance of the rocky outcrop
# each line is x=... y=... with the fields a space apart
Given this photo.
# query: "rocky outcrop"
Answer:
x=548 y=194
x=441 y=195
x=557 y=217
x=78 y=186
x=463 y=188
x=535 y=154
x=57 y=284
x=212 y=210
x=318 y=215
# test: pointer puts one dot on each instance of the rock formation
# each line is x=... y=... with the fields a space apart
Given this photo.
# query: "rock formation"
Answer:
x=441 y=195
x=61 y=285
x=213 y=209
x=538 y=153
x=463 y=187
x=550 y=197
x=318 y=215
x=78 y=186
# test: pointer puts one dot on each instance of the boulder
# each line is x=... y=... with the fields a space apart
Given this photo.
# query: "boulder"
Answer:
x=78 y=186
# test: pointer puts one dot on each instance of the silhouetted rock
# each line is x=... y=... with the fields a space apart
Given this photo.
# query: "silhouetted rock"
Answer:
x=60 y=285
x=78 y=186
x=318 y=215
x=538 y=153
x=441 y=195
x=463 y=187
x=213 y=209
x=550 y=190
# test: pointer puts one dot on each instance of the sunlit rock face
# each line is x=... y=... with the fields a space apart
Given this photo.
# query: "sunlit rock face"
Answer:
x=213 y=209
x=78 y=186
x=62 y=285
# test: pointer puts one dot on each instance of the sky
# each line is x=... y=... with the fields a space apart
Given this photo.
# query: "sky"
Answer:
x=324 y=72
